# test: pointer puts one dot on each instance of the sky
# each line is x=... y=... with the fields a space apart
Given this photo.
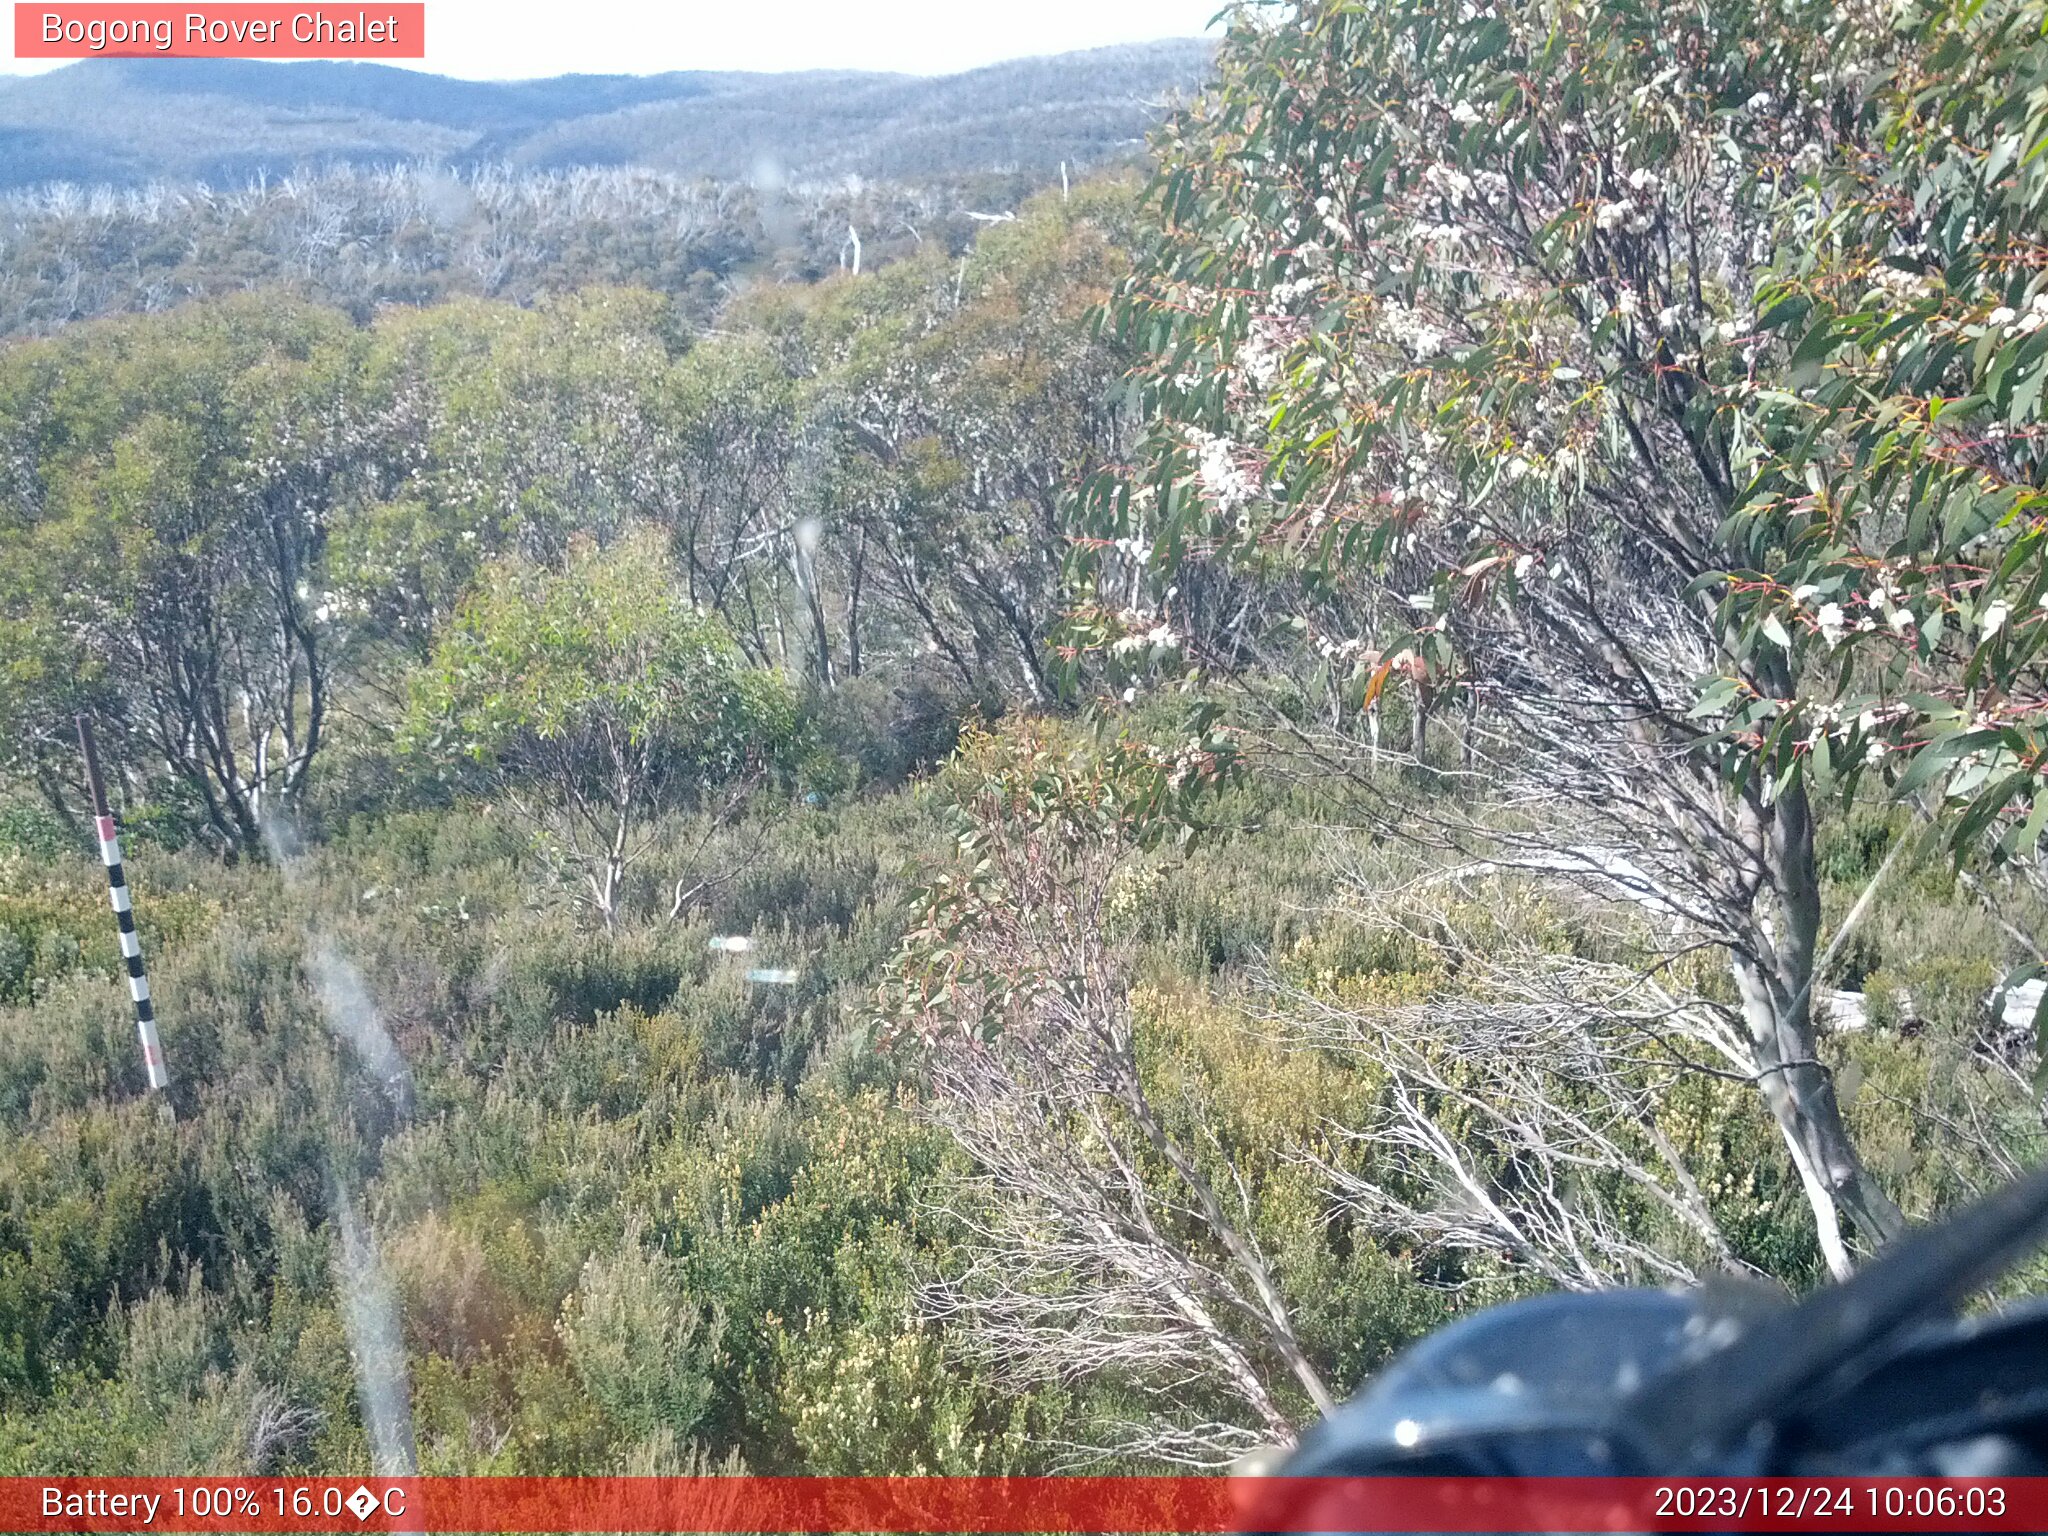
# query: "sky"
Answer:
x=521 y=39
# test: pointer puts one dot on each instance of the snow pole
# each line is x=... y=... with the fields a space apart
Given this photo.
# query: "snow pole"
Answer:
x=124 y=913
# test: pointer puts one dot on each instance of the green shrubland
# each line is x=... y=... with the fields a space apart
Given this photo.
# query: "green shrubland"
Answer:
x=642 y=1214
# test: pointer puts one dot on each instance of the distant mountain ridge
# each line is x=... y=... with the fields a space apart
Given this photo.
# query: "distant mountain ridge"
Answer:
x=127 y=121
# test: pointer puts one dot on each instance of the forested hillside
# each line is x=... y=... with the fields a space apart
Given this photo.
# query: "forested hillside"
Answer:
x=359 y=239
x=135 y=185
x=131 y=122
x=1034 y=856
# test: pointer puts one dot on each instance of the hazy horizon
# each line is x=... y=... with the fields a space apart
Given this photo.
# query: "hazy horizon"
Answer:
x=519 y=40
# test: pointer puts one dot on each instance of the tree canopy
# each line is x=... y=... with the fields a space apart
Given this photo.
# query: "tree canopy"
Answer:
x=1585 y=363
x=603 y=687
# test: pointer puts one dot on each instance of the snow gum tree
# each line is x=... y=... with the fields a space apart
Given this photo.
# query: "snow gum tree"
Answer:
x=1892 y=519
x=596 y=699
x=1592 y=363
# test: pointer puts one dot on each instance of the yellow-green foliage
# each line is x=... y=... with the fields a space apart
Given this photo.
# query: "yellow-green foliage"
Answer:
x=53 y=925
x=883 y=1398
x=1245 y=1108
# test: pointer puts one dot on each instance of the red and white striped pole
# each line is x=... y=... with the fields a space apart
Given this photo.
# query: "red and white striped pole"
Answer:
x=124 y=914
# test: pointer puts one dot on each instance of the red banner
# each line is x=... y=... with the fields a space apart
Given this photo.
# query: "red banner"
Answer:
x=913 y=1506
x=229 y=31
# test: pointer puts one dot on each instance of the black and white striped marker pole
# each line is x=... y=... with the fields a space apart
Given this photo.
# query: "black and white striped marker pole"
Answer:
x=124 y=914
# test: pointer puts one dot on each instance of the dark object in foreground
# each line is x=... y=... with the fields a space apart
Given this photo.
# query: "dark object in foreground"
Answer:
x=1875 y=1376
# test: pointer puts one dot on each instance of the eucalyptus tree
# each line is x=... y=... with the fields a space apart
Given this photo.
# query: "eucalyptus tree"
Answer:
x=721 y=472
x=595 y=698
x=1450 y=322
x=960 y=398
x=1894 y=520
x=166 y=528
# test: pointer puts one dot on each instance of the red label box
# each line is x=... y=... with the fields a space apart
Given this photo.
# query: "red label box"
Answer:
x=987 y=1506
x=372 y=30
